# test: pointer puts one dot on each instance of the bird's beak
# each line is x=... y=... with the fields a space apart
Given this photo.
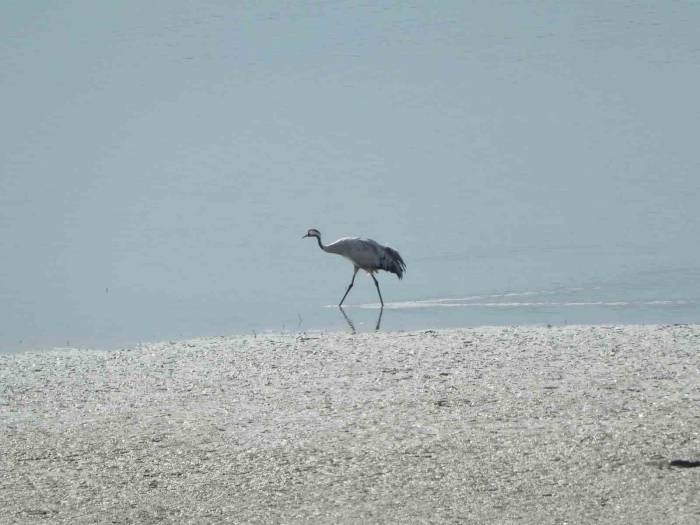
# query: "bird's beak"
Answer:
x=305 y=236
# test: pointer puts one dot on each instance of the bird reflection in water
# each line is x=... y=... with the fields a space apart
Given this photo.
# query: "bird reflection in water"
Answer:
x=353 y=330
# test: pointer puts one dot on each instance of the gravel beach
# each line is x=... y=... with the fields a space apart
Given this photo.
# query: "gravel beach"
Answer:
x=577 y=424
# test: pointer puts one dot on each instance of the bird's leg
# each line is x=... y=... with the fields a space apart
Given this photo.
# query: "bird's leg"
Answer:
x=379 y=319
x=350 y=286
x=378 y=290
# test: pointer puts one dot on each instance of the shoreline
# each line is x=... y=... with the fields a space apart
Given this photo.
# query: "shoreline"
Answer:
x=490 y=424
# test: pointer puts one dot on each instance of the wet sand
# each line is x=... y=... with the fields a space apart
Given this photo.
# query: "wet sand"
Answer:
x=573 y=424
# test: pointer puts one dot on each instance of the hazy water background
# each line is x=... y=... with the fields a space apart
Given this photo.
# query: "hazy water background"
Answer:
x=160 y=161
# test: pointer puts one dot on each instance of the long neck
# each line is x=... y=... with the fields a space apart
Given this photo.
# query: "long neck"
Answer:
x=320 y=244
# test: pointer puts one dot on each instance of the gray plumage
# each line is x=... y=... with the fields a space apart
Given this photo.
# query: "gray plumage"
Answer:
x=364 y=254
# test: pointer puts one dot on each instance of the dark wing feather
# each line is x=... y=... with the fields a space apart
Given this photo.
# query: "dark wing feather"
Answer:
x=391 y=261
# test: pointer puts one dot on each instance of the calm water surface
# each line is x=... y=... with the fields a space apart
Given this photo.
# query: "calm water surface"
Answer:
x=534 y=162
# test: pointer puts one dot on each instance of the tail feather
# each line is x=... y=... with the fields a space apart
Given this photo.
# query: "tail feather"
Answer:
x=392 y=262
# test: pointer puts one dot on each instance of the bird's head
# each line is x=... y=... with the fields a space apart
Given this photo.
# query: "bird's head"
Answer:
x=313 y=232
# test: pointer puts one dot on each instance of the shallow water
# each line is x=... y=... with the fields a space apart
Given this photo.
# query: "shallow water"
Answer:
x=159 y=164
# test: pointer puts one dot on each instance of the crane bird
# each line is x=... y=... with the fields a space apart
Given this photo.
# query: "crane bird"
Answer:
x=364 y=254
